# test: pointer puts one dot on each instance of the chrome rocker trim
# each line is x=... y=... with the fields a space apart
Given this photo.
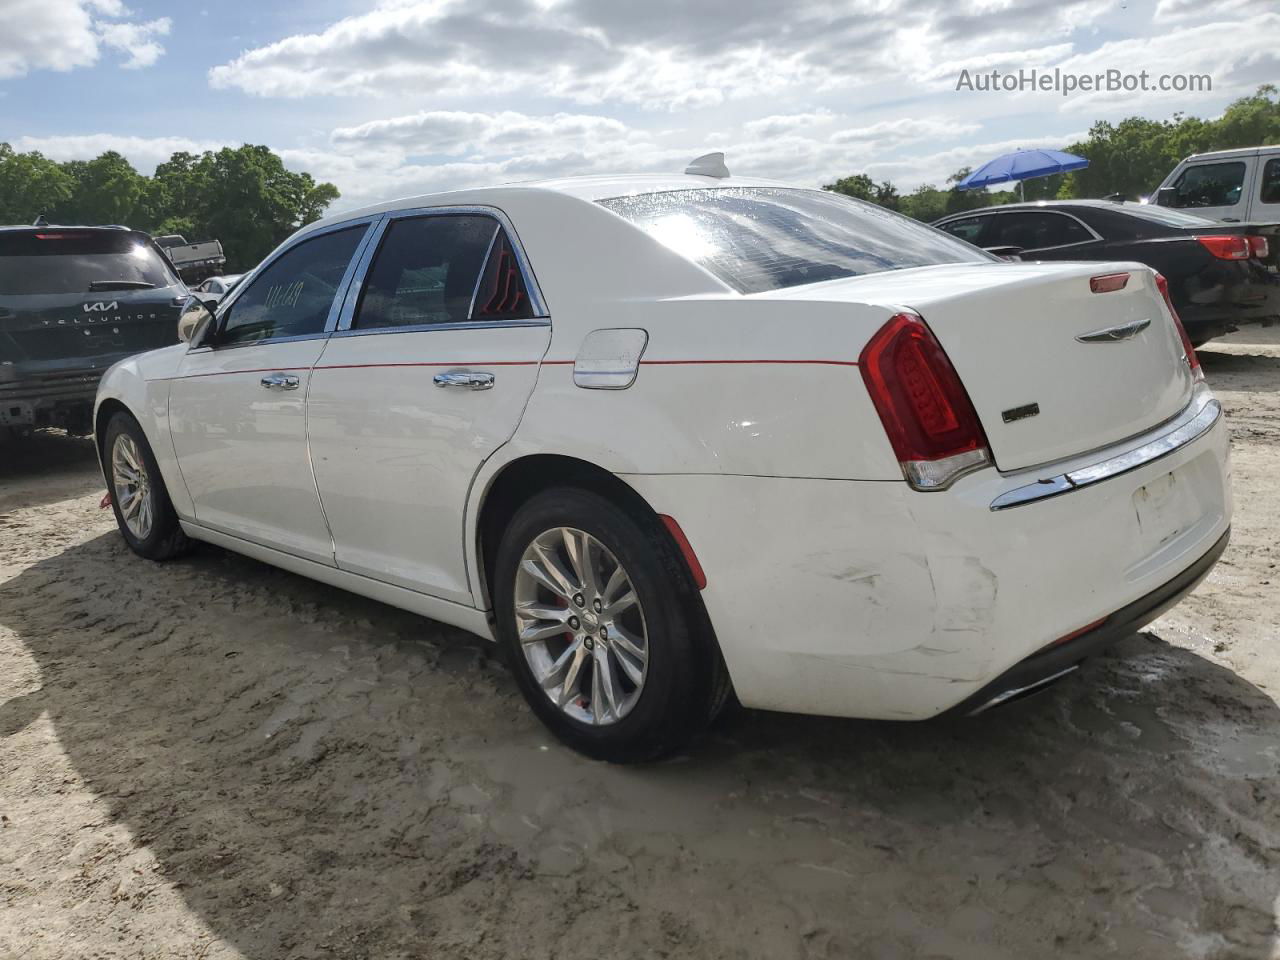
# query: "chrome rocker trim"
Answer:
x=1199 y=416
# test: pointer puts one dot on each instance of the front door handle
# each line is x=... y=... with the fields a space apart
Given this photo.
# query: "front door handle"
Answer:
x=280 y=381
x=476 y=381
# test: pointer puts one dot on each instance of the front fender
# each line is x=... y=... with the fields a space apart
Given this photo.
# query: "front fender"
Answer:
x=141 y=385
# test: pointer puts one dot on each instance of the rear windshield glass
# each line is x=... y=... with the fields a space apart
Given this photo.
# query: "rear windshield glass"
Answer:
x=1170 y=218
x=69 y=261
x=764 y=238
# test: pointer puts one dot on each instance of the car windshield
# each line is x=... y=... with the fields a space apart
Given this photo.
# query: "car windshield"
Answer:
x=73 y=261
x=1163 y=215
x=765 y=238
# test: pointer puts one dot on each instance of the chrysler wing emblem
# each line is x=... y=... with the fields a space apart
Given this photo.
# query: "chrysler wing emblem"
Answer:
x=1125 y=331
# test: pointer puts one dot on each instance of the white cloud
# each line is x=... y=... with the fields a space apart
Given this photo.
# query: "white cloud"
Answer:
x=65 y=34
x=143 y=152
x=138 y=40
x=496 y=134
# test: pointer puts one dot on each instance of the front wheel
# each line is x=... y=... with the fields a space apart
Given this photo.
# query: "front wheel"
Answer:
x=143 y=512
x=605 y=636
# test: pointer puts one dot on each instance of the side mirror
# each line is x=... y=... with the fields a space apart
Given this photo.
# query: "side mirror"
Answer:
x=1165 y=197
x=1005 y=253
x=195 y=322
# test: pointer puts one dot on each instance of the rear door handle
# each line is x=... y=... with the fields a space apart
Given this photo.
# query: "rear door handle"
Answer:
x=280 y=381
x=476 y=381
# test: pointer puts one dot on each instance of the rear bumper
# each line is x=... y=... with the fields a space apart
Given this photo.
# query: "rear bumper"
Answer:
x=868 y=599
x=37 y=400
x=1058 y=659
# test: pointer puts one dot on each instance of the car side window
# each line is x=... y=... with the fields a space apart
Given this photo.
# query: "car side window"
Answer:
x=1270 y=192
x=968 y=229
x=1035 y=231
x=442 y=268
x=292 y=296
x=1209 y=185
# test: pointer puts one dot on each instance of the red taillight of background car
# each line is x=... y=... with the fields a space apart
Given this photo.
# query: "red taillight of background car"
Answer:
x=1259 y=247
x=1227 y=247
x=1192 y=360
x=930 y=421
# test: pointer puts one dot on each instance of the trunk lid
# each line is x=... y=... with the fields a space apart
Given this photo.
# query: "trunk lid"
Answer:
x=1012 y=331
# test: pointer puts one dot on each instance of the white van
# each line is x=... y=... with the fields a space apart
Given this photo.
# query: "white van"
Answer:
x=1227 y=185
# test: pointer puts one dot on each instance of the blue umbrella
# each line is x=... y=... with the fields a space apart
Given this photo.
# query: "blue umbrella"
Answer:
x=1022 y=165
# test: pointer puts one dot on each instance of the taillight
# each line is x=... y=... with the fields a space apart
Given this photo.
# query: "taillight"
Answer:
x=1259 y=247
x=932 y=426
x=1226 y=248
x=1108 y=282
x=1192 y=360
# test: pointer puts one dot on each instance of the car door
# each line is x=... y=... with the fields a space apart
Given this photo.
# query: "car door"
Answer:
x=1217 y=190
x=237 y=405
x=436 y=355
x=1041 y=234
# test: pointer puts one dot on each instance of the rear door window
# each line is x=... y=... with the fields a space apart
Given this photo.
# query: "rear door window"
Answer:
x=1210 y=185
x=293 y=295
x=764 y=238
x=1035 y=230
x=57 y=261
x=969 y=229
x=1270 y=192
x=439 y=269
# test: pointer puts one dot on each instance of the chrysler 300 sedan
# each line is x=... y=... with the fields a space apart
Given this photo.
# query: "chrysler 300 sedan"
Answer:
x=665 y=438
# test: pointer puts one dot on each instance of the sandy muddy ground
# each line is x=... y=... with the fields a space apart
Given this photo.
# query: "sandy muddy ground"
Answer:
x=215 y=759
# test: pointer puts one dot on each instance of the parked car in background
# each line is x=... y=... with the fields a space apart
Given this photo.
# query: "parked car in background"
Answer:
x=657 y=434
x=193 y=261
x=73 y=301
x=1230 y=185
x=215 y=288
x=1218 y=273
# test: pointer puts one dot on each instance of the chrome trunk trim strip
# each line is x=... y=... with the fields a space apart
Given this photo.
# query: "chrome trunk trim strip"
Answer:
x=1200 y=415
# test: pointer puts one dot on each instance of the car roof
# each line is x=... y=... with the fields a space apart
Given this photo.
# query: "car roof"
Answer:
x=15 y=227
x=1238 y=152
x=1115 y=205
x=588 y=189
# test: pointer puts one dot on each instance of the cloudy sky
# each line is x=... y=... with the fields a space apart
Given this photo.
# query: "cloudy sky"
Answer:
x=405 y=96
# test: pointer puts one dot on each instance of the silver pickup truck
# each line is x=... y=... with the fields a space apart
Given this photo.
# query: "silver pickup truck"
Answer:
x=1229 y=185
x=193 y=261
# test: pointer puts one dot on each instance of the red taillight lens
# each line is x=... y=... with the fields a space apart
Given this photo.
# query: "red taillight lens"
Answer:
x=1108 y=282
x=1226 y=248
x=932 y=426
x=1259 y=247
x=1192 y=360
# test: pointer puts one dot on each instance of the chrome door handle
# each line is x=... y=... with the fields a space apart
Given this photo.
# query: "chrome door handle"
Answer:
x=476 y=381
x=280 y=381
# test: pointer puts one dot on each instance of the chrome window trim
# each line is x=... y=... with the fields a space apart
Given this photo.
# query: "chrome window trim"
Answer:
x=1196 y=419
x=347 y=314
x=427 y=327
x=331 y=320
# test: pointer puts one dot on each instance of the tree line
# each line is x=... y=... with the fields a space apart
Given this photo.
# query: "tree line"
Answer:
x=1129 y=158
x=242 y=196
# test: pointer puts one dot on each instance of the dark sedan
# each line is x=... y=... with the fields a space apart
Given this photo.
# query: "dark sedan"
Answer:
x=1220 y=275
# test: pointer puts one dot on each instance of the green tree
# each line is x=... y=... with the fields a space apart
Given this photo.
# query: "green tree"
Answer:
x=106 y=190
x=30 y=185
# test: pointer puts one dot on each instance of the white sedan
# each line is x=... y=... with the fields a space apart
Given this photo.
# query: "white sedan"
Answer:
x=662 y=437
x=214 y=289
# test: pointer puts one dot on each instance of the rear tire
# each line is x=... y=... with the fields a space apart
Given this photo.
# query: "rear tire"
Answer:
x=139 y=498
x=649 y=674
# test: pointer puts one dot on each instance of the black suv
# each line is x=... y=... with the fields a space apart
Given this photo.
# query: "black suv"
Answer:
x=73 y=301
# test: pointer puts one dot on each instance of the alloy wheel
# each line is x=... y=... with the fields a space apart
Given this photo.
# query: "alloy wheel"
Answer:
x=580 y=626
x=133 y=491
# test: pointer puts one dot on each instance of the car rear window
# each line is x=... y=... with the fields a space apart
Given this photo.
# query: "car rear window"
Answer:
x=69 y=261
x=765 y=238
